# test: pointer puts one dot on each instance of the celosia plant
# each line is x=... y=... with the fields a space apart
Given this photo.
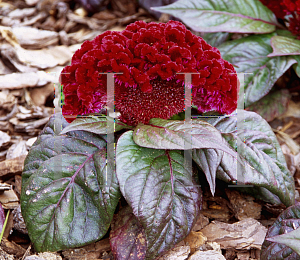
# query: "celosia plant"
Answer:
x=72 y=181
x=150 y=56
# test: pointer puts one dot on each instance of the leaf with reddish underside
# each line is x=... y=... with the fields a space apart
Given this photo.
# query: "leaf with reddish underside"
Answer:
x=127 y=236
x=2 y=217
x=96 y=125
x=237 y=16
x=250 y=56
x=263 y=163
x=203 y=138
x=68 y=197
x=162 y=193
x=177 y=134
x=283 y=237
x=208 y=160
x=284 y=46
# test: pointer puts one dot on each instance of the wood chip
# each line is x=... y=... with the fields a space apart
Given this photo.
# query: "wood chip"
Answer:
x=245 y=234
x=177 y=253
x=194 y=240
x=9 y=199
x=10 y=55
x=219 y=214
x=31 y=2
x=12 y=166
x=18 y=184
x=4 y=138
x=28 y=127
x=21 y=13
x=201 y=223
x=9 y=226
x=45 y=58
x=16 y=150
x=32 y=38
x=204 y=255
x=88 y=252
x=243 y=205
x=23 y=80
x=6 y=256
x=19 y=80
x=19 y=223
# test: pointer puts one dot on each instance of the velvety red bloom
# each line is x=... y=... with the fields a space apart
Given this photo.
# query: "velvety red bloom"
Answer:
x=286 y=9
x=294 y=26
x=149 y=56
x=276 y=7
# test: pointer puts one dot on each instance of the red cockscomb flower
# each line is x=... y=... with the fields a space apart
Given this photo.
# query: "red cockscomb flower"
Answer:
x=149 y=56
x=286 y=9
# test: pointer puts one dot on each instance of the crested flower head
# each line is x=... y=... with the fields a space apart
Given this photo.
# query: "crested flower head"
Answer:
x=288 y=10
x=149 y=58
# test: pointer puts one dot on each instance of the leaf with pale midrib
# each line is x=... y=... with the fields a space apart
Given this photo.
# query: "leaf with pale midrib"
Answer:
x=263 y=163
x=282 y=238
x=127 y=236
x=66 y=190
x=236 y=16
x=161 y=192
x=249 y=55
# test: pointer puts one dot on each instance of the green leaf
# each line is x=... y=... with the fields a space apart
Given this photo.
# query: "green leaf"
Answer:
x=208 y=160
x=249 y=55
x=174 y=134
x=272 y=105
x=127 y=236
x=291 y=239
x=94 y=124
x=162 y=193
x=263 y=164
x=282 y=238
x=177 y=134
x=237 y=16
x=215 y=39
x=285 y=33
x=296 y=66
x=67 y=199
x=284 y=46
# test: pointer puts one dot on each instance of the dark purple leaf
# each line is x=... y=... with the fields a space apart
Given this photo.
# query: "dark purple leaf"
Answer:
x=68 y=198
x=283 y=237
x=263 y=163
x=2 y=217
x=162 y=193
x=127 y=236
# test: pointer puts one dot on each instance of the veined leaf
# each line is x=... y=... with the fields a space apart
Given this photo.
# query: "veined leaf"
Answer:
x=249 y=55
x=284 y=46
x=215 y=39
x=282 y=239
x=176 y=134
x=238 y=16
x=67 y=190
x=208 y=160
x=96 y=125
x=127 y=236
x=162 y=193
x=263 y=164
x=296 y=66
